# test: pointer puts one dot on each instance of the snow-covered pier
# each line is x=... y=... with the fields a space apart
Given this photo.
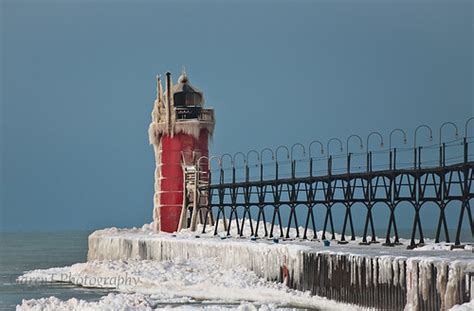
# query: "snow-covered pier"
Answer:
x=429 y=278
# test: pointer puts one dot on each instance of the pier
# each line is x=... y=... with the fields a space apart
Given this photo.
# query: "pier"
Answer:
x=372 y=276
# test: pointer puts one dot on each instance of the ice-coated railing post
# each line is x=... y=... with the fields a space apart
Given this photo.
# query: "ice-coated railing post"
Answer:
x=419 y=157
x=246 y=172
x=261 y=195
x=349 y=163
x=394 y=158
x=346 y=205
x=442 y=198
x=441 y=155
x=329 y=165
x=370 y=160
x=391 y=206
x=367 y=161
x=368 y=197
x=465 y=195
x=443 y=148
x=420 y=229
x=466 y=151
x=292 y=196
x=390 y=158
x=209 y=203
x=416 y=204
x=415 y=156
x=221 y=195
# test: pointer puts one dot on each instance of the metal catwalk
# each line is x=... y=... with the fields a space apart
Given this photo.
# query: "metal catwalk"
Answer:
x=255 y=200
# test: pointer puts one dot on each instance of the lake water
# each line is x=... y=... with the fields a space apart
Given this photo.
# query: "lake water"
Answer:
x=21 y=252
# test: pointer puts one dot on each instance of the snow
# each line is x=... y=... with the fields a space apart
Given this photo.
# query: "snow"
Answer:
x=198 y=278
x=137 y=302
x=468 y=306
x=265 y=257
x=205 y=267
x=110 y=302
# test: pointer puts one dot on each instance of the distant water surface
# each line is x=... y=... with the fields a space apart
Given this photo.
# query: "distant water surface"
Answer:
x=20 y=252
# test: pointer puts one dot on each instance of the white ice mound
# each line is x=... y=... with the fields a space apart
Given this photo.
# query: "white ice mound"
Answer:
x=110 y=302
x=201 y=279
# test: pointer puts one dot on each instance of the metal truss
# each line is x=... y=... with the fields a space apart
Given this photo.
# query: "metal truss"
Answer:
x=416 y=186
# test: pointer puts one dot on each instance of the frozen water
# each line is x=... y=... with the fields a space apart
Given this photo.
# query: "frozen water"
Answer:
x=197 y=279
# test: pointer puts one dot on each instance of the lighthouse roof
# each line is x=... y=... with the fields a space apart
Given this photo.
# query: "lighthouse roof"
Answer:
x=184 y=86
x=186 y=94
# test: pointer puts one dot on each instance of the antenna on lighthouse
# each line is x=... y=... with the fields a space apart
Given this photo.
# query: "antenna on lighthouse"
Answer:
x=184 y=76
x=168 y=101
x=158 y=88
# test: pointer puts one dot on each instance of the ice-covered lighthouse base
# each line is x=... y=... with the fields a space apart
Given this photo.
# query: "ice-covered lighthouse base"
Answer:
x=388 y=278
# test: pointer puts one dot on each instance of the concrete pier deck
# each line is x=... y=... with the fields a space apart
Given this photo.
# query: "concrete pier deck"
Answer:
x=386 y=278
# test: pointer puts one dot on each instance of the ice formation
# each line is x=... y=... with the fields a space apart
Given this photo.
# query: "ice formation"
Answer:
x=413 y=270
x=197 y=279
x=204 y=266
x=137 y=302
x=111 y=302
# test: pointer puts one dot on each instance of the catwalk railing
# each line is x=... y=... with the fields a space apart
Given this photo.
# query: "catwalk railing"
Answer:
x=252 y=194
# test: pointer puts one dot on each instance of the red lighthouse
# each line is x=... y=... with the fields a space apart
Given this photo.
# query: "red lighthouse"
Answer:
x=179 y=132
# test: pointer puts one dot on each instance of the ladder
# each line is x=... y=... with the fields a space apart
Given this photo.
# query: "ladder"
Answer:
x=195 y=198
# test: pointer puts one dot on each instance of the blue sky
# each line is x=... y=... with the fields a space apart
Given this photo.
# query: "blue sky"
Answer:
x=78 y=83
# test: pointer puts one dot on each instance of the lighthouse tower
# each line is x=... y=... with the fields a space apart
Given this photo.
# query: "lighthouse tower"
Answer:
x=179 y=132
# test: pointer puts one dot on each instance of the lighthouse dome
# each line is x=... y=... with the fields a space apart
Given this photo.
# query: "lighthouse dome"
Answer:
x=185 y=94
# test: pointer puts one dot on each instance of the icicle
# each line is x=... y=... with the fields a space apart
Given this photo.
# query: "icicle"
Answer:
x=441 y=282
x=412 y=285
x=368 y=267
x=155 y=115
x=455 y=276
x=266 y=259
x=424 y=277
x=385 y=264
x=375 y=272
x=359 y=266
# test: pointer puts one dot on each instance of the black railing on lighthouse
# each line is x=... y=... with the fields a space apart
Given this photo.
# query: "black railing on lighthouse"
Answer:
x=439 y=181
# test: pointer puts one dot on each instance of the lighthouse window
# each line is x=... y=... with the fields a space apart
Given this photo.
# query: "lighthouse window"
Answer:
x=179 y=100
x=187 y=99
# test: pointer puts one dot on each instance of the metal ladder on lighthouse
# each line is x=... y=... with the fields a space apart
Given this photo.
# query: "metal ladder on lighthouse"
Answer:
x=195 y=198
